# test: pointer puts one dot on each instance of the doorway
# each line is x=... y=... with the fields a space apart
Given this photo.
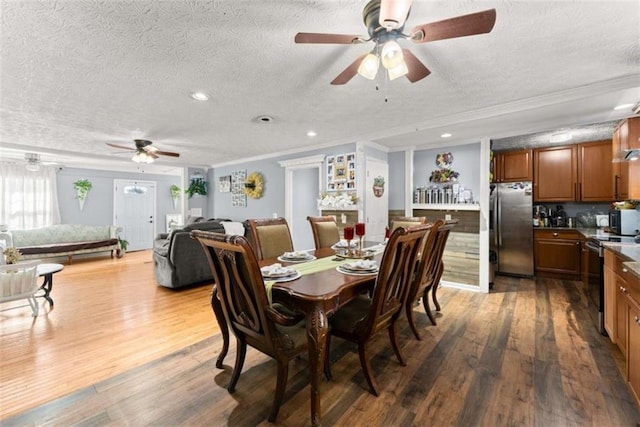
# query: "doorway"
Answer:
x=134 y=207
x=376 y=203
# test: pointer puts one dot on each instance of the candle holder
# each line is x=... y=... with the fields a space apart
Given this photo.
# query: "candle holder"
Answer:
x=348 y=236
x=360 y=234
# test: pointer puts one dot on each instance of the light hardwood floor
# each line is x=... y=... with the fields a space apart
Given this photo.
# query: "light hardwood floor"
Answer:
x=119 y=350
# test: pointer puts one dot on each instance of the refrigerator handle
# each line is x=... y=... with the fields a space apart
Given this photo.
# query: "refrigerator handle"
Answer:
x=498 y=232
x=495 y=218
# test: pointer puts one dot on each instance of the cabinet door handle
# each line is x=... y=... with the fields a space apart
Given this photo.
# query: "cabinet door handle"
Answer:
x=615 y=183
x=623 y=289
x=637 y=320
x=555 y=234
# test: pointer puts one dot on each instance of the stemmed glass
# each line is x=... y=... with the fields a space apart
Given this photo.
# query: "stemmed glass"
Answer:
x=360 y=233
x=348 y=236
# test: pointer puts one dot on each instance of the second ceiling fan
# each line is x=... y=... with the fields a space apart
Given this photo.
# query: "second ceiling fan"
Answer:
x=385 y=21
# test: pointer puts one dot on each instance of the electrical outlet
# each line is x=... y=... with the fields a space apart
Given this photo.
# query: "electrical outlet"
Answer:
x=447 y=217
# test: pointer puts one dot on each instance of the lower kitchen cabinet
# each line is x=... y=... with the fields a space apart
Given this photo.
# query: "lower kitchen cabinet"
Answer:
x=557 y=253
x=622 y=307
x=633 y=347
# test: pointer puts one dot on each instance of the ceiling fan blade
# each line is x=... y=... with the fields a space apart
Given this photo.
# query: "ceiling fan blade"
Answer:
x=120 y=146
x=348 y=72
x=327 y=38
x=460 y=26
x=152 y=154
x=417 y=70
x=166 y=153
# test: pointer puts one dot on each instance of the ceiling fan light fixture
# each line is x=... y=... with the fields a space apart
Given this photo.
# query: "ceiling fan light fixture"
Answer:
x=393 y=13
x=33 y=161
x=399 y=71
x=368 y=68
x=391 y=55
x=142 y=157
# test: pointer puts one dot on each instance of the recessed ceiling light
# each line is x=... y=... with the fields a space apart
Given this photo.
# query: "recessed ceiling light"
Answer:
x=446 y=135
x=623 y=106
x=200 y=96
x=311 y=133
x=560 y=137
x=263 y=119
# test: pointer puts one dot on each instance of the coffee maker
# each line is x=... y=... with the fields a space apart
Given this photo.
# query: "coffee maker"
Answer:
x=559 y=217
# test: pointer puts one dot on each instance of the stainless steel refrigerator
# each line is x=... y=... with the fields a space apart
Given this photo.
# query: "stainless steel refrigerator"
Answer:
x=511 y=227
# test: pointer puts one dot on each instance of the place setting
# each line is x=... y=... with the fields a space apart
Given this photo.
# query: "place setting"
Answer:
x=277 y=273
x=359 y=268
x=350 y=249
x=296 y=256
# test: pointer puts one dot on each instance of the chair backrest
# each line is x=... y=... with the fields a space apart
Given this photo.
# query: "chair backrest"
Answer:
x=325 y=231
x=407 y=221
x=431 y=258
x=241 y=290
x=19 y=280
x=270 y=237
x=395 y=276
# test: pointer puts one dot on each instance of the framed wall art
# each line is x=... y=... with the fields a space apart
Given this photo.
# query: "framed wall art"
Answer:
x=225 y=184
x=341 y=172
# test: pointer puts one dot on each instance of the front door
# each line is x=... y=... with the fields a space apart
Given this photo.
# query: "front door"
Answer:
x=135 y=203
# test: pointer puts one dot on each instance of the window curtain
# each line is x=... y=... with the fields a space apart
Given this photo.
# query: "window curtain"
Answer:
x=28 y=199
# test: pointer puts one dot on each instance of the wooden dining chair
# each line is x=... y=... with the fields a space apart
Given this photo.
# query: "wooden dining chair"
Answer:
x=325 y=231
x=270 y=237
x=360 y=319
x=407 y=221
x=429 y=273
x=241 y=293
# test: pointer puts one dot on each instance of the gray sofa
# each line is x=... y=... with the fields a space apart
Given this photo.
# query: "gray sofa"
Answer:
x=179 y=260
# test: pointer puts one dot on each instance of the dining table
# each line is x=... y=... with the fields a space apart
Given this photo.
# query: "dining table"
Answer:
x=319 y=292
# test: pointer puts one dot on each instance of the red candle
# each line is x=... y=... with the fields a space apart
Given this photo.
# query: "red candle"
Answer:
x=360 y=229
x=348 y=233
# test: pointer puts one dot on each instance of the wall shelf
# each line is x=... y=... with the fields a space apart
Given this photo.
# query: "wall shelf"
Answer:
x=447 y=206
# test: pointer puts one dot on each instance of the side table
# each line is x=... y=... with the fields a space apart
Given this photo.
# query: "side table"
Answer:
x=47 y=271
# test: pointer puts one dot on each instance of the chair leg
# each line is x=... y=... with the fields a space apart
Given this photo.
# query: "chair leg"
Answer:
x=327 y=367
x=393 y=337
x=366 y=369
x=222 y=323
x=433 y=295
x=426 y=305
x=35 y=308
x=281 y=384
x=411 y=319
x=241 y=351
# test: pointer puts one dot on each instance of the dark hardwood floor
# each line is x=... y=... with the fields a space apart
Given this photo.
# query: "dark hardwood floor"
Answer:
x=526 y=354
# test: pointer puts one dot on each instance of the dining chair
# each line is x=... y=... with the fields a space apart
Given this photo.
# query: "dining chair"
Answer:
x=360 y=319
x=407 y=221
x=242 y=296
x=325 y=231
x=20 y=281
x=429 y=273
x=270 y=237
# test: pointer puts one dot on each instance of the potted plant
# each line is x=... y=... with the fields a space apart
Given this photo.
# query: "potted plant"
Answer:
x=378 y=186
x=12 y=255
x=175 y=194
x=82 y=187
x=122 y=247
x=197 y=186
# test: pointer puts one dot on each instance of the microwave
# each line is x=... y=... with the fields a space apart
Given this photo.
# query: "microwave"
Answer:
x=624 y=222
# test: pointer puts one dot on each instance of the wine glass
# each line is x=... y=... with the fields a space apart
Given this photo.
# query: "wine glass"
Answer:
x=360 y=233
x=348 y=236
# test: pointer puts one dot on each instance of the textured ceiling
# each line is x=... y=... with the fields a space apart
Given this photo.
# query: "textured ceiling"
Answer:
x=78 y=73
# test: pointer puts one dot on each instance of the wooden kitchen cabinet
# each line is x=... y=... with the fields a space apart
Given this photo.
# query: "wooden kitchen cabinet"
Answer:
x=555 y=174
x=594 y=166
x=513 y=166
x=621 y=314
x=580 y=172
x=557 y=253
x=620 y=169
x=633 y=347
x=610 y=311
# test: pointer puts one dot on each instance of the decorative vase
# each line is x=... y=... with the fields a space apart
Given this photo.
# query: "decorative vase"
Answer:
x=378 y=191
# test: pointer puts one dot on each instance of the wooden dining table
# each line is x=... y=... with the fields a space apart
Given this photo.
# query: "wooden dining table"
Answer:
x=318 y=295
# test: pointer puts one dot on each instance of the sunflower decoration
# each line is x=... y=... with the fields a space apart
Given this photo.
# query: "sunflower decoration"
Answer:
x=253 y=186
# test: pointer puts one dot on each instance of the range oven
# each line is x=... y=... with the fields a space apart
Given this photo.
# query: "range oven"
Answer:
x=594 y=286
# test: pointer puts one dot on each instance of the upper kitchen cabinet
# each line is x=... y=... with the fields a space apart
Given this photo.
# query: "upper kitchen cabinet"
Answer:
x=626 y=137
x=580 y=172
x=555 y=174
x=513 y=166
x=594 y=167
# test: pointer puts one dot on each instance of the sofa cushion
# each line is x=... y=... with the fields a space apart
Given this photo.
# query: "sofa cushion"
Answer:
x=66 y=247
x=61 y=233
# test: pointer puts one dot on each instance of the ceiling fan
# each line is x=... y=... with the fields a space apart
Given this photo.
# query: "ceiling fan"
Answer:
x=144 y=152
x=33 y=162
x=385 y=21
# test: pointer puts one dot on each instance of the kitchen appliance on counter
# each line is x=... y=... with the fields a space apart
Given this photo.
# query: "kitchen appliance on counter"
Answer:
x=510 y=227
x=624 y=222
x=594 y=286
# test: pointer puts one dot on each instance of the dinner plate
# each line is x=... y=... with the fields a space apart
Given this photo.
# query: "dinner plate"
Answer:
x=296 y=259
x=343 y=270
x=282 y=272
x=295 y=276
